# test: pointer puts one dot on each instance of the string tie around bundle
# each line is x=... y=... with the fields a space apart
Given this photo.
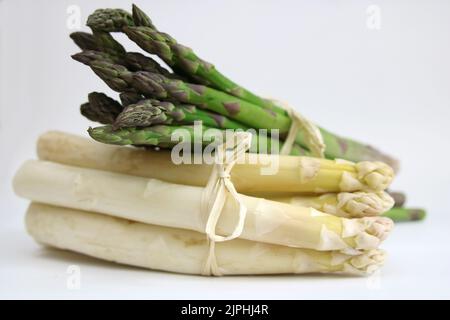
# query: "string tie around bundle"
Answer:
x=313 y=136
x=220 y=188
x=219 y=185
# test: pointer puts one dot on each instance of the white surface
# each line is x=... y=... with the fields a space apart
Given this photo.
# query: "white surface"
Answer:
x=389 y=87
x=418 y=267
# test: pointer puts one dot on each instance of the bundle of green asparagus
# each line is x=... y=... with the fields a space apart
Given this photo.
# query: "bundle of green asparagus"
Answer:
x=138 y=206
x=194 y=90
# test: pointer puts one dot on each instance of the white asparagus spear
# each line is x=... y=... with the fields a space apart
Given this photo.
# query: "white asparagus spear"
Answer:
x=293 y=174
x=178 y=250
x=156 y=202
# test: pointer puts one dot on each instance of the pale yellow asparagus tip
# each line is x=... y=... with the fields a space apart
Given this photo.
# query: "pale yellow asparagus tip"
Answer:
x=375 y=176
x=366 y=263
x=363 y=204
x=368 y=232
x=344 y=204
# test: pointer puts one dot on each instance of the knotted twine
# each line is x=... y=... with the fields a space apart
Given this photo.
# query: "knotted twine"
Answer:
x=219 y=182
x=313 y=136
x=215 y=195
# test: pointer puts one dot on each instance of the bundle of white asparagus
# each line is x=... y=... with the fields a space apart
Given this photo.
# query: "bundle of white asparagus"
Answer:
x=137 y=207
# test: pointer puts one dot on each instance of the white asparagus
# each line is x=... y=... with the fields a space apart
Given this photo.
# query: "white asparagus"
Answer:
x=77 y=151
x=179 y=206
x=178 y=250
x=293 y=174
x=344 y=204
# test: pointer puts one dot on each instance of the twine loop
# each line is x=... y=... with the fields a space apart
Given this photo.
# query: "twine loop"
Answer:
x=313 y=136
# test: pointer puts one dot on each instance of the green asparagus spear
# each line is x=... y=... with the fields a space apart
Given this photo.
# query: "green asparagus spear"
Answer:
x=127 y=98
x=150 y=112
x=405 y=214
x=106 y=43
x=109 y=20
x=101 y=45
x=101 y=108
x=84 y=40
x=100 y=42
x=163 y=136
x=136 y=61
x=88 y=56
x=141 y=19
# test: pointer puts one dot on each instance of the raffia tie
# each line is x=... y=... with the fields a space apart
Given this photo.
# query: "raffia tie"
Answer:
x=215 y=195
x=312 y=134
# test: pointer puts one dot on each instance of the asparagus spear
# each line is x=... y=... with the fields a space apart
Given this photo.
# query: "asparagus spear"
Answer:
x=84 y=40
x=405 y=214
x=131 y=60
x=149 y=112
x=109 y=20
x=127 y=98
x=106 y=43
x=101 y=108
x=163 y=136
x=100 y=42
x=102 y=46
x=176 y=250
x=140 y=18
x=139 y=62
x=116 y=76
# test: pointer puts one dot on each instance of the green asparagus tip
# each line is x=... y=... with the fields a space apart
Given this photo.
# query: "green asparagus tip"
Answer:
x=109 y=20
x=84 y=40
x=140 y=18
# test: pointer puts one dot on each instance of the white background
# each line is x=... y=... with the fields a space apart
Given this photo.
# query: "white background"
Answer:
x=389 y=87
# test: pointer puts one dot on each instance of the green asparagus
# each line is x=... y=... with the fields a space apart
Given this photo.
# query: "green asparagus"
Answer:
x=179 y=57
x=141 y=19
x=149 y=112
x=109 y=20
x=101 y=42
x=157 y=86
x=164 y=136
x=85 y=40
x=103 y=47
x=101 y=108
x=138 y=62
x=127 y=98
x=405 y=214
